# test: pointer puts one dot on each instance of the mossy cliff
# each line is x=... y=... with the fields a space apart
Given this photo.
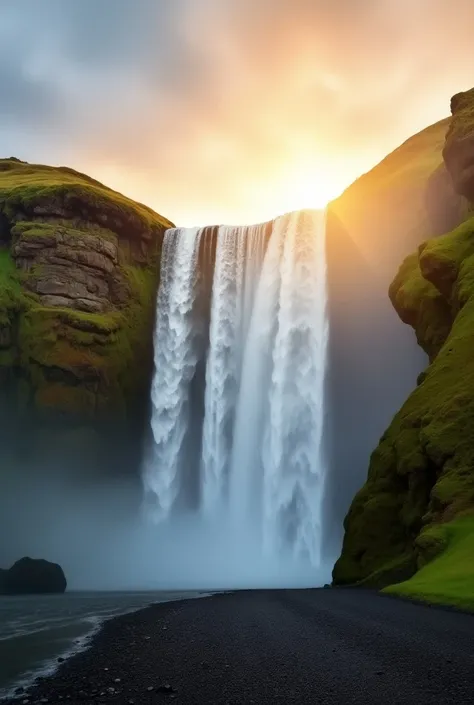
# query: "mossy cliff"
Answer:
x=421 y=476
x=79 y=267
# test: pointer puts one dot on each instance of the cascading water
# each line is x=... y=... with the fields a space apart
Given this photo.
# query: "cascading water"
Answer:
x=175 y=363
x=254 y=441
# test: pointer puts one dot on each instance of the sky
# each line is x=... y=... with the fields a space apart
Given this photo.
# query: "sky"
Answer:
x=226 y=111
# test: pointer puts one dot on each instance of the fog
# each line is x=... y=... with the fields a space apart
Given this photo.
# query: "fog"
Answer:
x=103 y=540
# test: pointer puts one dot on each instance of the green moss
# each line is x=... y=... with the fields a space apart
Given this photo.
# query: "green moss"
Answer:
x=447 y=577
x=46 y=231
x=421 y=305
x=11 y=296
x=426 y=457
x=430 y=543
x=66 y=360
x=37 y=189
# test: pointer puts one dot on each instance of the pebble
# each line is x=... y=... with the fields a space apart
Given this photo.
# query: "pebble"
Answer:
x=166 y=688
x=117 y=680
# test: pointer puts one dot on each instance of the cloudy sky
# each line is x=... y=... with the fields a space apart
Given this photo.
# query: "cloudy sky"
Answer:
x=226 y=110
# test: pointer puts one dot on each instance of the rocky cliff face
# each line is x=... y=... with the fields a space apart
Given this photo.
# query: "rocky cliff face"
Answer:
x=458 y=152
x=79 y=268
x=421 y=474
x=374 y=361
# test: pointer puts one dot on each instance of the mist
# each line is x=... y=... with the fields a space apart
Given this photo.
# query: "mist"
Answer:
x=102 y=537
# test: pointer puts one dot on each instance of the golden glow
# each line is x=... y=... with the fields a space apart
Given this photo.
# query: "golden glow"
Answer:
x=306 y=187
x=234 y=112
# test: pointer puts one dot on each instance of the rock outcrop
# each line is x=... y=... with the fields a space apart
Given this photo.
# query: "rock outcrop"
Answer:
x=459 y=149
x=79 y=268
x=421 y=475
x=30 y=576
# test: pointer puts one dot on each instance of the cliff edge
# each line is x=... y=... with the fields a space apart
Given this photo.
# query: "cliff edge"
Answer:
x=415 y=514
x=79 y=267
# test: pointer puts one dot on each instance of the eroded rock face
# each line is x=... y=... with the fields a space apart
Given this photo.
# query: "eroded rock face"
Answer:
x=69 y=268
x=30 y=576
x=79 y=269
x=458 y=152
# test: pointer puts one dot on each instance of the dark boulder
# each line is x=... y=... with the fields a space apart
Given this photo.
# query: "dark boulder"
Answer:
x=31 y=576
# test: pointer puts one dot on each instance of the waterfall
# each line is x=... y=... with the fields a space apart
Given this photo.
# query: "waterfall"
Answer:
x=175 y=363
x=258 y=459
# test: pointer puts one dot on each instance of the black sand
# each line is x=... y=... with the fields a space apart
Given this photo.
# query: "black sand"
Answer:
x=299 y=646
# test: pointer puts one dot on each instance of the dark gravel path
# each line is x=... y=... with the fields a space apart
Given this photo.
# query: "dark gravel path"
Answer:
x=297 y=646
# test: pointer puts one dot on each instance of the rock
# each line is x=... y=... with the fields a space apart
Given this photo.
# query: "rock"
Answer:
x=166 y=688
x=60 y=659
x=77 y=302
x=459 y=148
x=34 y=576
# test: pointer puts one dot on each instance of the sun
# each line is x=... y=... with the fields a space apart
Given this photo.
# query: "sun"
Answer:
x=310 y=187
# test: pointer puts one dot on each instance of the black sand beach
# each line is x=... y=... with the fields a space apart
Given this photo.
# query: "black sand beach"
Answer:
x=296 y=646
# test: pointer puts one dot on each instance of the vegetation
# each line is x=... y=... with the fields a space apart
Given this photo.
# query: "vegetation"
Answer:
x=421 y=305
x=449 y=577
x=87 y=367
x=421 y=475
x=38 y=189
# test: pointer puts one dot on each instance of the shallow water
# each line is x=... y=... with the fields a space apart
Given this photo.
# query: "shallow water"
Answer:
x=35 y=630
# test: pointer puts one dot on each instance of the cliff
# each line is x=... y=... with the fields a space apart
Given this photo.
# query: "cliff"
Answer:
x=373 y=360
x=415 y=513
x=403 y=200
x=79 y=267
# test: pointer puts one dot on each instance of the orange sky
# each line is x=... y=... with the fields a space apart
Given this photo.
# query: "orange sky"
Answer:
x=227 y=110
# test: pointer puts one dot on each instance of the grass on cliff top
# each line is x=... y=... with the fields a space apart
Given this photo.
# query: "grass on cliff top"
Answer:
x=23 y=185
x=449 y=578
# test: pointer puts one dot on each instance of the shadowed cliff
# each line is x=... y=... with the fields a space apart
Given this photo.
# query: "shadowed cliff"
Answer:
x=415 y=511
